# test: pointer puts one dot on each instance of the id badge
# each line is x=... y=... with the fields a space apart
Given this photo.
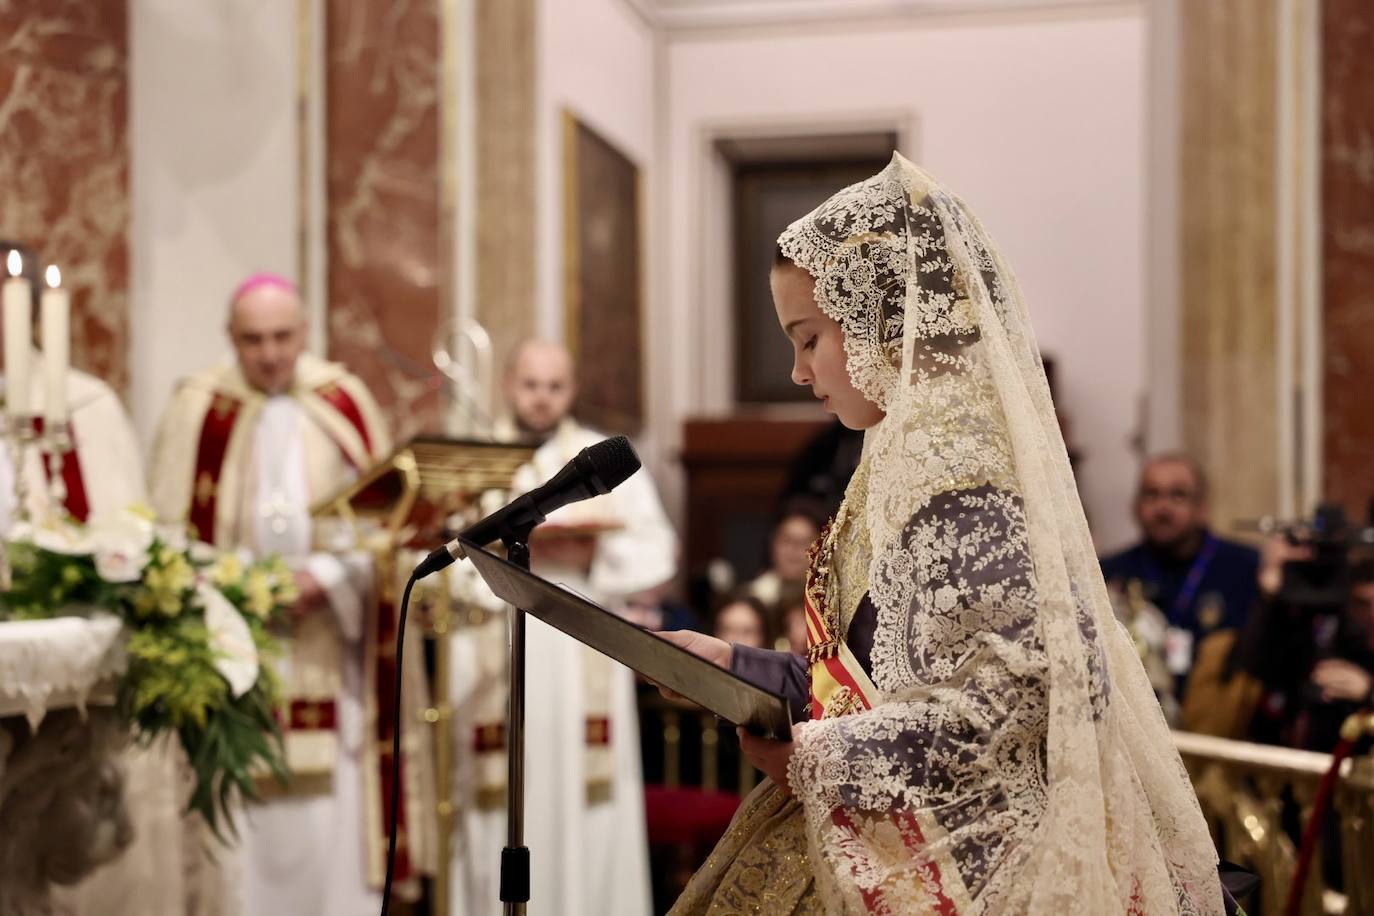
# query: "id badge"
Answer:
x=1178 y=650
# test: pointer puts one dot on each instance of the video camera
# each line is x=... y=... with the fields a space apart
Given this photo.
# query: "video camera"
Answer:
x=1320 y=583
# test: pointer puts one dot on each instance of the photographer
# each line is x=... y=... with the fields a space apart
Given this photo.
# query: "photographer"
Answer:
x=1310 y=643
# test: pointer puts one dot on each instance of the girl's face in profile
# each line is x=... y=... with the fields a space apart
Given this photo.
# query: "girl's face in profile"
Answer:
x=818 y=358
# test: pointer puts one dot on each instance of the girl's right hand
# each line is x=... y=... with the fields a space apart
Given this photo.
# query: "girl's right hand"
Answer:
x=716 y=651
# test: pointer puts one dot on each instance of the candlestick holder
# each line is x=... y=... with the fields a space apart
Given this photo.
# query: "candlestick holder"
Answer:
x=22 y=437
x=19 y=436
x=57 y=444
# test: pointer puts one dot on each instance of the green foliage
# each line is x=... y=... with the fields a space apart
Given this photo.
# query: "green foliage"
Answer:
x=171 y=683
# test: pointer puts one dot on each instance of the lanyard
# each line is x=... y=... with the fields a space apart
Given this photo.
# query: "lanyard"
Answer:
x=1188 y=592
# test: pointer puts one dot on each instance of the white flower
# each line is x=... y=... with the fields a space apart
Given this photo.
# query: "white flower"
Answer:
x=201 y=552
x=120 y=563
x=56 y=537
x=174 y=536
x=122 y=541
x=236 y=657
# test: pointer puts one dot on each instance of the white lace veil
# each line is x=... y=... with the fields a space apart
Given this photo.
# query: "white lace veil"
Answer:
x=1017 y=761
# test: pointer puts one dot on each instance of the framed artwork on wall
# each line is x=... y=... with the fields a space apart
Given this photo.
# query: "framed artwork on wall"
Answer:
x=602 y=271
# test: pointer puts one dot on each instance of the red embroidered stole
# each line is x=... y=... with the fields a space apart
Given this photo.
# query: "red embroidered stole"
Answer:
x=77 y=504
x=213 y=446
x=336 y=397
x=215 y=431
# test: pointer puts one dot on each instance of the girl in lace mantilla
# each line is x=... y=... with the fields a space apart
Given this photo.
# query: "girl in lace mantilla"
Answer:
x=975 y=732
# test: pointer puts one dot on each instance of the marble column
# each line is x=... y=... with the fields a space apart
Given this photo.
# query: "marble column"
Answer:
x=64 y=161
x=506 y=204
x=1228 y=208
x=382 y=84
x=1347 y=253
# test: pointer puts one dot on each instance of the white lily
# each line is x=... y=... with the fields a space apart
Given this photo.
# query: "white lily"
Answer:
x=236 y=657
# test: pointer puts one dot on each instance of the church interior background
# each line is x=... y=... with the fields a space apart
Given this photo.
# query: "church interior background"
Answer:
x=1186 y=190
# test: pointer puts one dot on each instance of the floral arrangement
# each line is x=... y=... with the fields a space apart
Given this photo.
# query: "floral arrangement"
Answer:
x=199 y=626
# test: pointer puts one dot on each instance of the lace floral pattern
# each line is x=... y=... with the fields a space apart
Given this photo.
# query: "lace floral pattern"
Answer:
x=1017 y=761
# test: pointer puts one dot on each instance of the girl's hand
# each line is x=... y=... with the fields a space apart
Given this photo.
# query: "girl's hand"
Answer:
x=716 y=651
x=769 y=756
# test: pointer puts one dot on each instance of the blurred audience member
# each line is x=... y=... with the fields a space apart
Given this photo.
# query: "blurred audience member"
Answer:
x=1149 y=633
x=656 y=609
x=741 y=621
x=1316 y=667
x=1203 y=584
x=793 y=637
x=799 y=524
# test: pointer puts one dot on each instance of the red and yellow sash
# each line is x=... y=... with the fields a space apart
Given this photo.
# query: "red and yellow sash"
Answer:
x=839 y=684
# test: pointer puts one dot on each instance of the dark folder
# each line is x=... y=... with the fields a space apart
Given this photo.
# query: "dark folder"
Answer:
x=720 y=691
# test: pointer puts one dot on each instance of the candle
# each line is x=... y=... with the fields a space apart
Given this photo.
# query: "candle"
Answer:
x=54 y=312
x=18 y=325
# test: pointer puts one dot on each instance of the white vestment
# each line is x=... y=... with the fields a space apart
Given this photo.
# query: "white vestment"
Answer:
x=303 y=853
x=106 y=451
x=589 y=853
x=298 y=852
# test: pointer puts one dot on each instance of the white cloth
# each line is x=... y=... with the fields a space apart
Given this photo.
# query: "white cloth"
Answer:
x=587 y=857
x=107 y=448
x=282 y=523
x=47 y=664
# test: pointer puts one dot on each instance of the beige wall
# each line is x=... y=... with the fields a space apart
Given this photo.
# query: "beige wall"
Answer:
x=212 y=177
x=1036 y=119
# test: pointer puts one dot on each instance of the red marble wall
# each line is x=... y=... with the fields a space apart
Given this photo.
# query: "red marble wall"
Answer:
x=1348 y=250
x=382 y=63
x=64 y=160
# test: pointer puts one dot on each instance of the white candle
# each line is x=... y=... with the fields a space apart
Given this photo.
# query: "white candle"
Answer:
x=55 y=315
x=18 y=324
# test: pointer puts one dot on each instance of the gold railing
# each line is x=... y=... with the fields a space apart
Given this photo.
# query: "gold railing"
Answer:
x=1253 y=794
x=679 y=720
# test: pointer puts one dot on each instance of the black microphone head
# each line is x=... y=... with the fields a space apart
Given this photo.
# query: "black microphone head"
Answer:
x=613 y=460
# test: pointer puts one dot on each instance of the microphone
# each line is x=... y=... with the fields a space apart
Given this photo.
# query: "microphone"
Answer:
x=594 y=471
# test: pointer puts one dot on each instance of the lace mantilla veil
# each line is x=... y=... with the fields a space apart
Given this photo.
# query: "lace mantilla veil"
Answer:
x=1016 y=760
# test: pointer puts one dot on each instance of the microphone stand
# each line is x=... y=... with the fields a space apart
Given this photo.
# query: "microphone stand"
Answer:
x=515 y=857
